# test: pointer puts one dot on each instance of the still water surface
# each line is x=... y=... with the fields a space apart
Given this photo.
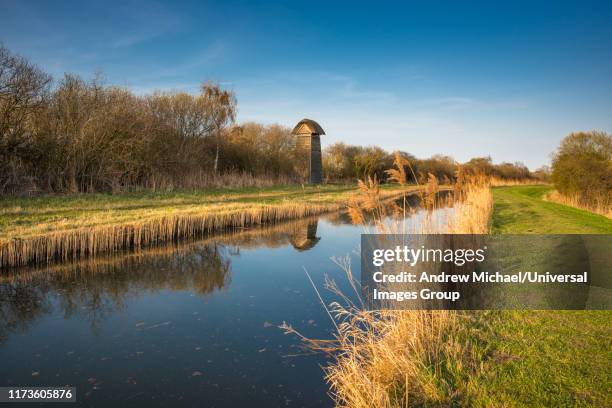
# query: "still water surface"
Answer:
x=188 y=325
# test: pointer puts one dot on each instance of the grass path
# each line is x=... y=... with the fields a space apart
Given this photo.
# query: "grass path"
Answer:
x=522 y=210
x=542 y=358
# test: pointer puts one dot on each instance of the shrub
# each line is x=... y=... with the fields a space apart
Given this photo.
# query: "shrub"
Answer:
x=582 y=166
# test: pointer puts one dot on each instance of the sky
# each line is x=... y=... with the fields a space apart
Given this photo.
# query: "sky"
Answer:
x=465 y=79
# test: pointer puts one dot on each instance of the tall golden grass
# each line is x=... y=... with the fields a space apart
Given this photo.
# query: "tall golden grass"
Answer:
x=45 y=247
x=499 y=182
x=472 y=213
x=202 y=179
x=390 y=358
x=601 y=206
x=268 y=236
x=89 y=242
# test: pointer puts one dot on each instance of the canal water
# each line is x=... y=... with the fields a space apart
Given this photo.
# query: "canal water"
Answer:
x=192 y=324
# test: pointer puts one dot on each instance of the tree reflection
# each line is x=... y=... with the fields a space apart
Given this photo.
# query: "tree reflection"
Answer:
x=20 y=304
x=94 y=289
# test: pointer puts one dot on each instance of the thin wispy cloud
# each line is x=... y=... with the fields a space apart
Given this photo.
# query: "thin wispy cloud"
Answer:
x=144 y=21
x=171 y=75
x=421 y=84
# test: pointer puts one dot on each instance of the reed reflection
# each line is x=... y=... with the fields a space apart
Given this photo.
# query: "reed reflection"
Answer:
x=94 y=289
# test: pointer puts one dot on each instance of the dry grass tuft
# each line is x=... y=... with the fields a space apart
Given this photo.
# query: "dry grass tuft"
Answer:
x=398 y=174
x=473 y=212
x=431 y=190
x=601 y=206
x=392 y=358
x=500 y=182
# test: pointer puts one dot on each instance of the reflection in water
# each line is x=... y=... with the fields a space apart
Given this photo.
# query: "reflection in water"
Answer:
x=305 y=236
x=20 y=304
x=96 y=288
x=169 y=316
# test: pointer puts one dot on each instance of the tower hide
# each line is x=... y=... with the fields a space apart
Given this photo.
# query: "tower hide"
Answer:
x=308 y=145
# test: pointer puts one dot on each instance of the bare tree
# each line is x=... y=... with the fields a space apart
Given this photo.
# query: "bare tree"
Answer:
x=23 y=89
x=220 y=108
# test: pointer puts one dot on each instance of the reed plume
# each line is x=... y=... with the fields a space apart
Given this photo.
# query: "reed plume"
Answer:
x=395 y=358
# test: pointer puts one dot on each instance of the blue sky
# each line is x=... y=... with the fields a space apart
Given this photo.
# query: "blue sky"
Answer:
x=502 y=79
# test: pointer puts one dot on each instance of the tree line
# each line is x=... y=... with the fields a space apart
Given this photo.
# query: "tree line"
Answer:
x=82 y=136
x=74 y=135
x=347 y=162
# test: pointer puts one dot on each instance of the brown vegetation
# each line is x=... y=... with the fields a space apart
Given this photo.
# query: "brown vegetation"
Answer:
x=346 y=162
x=582 y=171
x=595 y=206
x=84 y=136
x=265 y=235
x=107 y=228
x=89 y=242
x=398 y=358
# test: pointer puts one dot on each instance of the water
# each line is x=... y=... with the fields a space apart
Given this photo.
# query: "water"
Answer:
x=188 y=325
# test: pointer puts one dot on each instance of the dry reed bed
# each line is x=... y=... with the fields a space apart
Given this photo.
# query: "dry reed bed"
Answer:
x=78 y=243
x=398 y=358
x=89 y=242
x=390 y=358
x=267 y=235
x=601 y=206
x=500 y=182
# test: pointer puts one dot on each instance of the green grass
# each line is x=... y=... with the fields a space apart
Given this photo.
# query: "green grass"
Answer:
x=522 y=210
x=541 y=359
x=538 y=358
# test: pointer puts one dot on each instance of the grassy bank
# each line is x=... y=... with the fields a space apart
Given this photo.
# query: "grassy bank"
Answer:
x=55 y=228
x=539 y=358
x=479 y=358
x=601 y=206
x=523 y=210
